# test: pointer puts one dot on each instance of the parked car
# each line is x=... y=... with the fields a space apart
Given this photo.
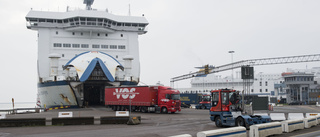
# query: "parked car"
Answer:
x=296 y=103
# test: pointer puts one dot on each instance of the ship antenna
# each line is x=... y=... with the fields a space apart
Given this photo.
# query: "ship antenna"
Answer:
x=129 y=10
x=88 y=4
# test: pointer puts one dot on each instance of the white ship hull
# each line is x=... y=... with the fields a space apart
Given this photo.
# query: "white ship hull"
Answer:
x=81 y=52
x=56 y=94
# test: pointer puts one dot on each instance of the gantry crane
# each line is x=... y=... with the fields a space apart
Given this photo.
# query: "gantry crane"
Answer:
x=250 y=62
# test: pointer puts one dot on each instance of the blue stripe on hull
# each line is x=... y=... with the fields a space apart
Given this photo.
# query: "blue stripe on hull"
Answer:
x=55 y=83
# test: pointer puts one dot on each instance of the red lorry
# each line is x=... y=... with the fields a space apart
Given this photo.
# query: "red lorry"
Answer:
x=143 y=98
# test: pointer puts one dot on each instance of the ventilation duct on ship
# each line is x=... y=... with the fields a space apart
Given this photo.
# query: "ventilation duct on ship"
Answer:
x=54 y=63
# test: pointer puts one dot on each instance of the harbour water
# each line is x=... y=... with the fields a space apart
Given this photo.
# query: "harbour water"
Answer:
x=6 y=106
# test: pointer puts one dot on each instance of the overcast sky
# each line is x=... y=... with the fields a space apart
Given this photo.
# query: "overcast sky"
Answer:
x=182 y=34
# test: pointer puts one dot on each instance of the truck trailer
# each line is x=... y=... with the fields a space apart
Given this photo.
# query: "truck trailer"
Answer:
x=187 y=99
x=160 y=99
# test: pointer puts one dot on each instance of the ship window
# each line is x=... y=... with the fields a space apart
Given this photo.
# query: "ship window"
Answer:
x=62 y=55
x=81 y=33
x=96 y=46
x=119 y=24
x=59 y=21
x=84 y=45
x=121 y=47
x=66 y=45
x=104 y=46
x=65 y=21
x=113 y=46
x=98 y=34
x=57 y=32
x=76 y=45
x=135 y=25
x=34 y=19
x=73 y=33
x=106 y=35
x=42 y=20
x=50 y=20
x=121 y=35
x=57 y=45
x=260 y=90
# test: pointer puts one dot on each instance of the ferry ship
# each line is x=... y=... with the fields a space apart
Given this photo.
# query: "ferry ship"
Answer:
x=80 y=52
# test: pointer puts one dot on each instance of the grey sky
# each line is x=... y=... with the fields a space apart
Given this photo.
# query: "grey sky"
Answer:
x=182 y=34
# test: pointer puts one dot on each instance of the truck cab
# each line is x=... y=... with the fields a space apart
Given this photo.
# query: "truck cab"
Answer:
x=168 y=100
x=227 y=111
x=205 y=102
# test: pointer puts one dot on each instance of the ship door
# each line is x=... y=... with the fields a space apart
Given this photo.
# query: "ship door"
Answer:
x=93 y=94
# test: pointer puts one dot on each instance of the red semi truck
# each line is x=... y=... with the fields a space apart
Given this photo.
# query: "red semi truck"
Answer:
x=143 y=98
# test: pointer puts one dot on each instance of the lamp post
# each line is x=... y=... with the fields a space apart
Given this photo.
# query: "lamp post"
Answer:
x=231 y=52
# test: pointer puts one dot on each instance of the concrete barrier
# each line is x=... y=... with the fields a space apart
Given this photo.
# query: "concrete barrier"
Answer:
x=226 y=132
x=115 y=120
x=277 y=116
x=295 y=116
x=266 y=129
x=2 y=116
x=318 y=119
x=73 y=121
x=309 y=122
x=183 y=135
x=22 y=122
x=291 y=125
x=312 y=115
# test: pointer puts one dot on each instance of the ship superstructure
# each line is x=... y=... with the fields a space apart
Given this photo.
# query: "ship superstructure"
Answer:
x=82 y=51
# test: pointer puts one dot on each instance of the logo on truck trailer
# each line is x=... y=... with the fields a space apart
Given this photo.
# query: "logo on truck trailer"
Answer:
x=125 y=93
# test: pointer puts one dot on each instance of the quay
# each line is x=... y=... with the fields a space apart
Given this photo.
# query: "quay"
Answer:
x=189 y=121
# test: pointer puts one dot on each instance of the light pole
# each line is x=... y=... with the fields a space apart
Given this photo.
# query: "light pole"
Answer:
x=231 y=52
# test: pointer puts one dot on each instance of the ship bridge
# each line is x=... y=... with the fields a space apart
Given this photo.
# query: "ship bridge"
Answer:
x=86 y=20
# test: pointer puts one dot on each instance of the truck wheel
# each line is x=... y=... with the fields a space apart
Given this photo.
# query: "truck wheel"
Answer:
x=118 y=108
x=164 y=110
x=114 y=108
x=143 y=109
x=240 y=122
x=218 y=121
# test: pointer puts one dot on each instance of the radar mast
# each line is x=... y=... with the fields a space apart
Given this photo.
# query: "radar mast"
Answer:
x=88 y=4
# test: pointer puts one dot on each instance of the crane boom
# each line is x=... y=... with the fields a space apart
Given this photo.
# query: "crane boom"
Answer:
x=254 y=62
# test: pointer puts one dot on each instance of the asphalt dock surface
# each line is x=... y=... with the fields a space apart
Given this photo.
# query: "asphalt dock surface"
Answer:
x=188 y=121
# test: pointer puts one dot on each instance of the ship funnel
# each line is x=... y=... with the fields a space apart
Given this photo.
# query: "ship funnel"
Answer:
x=128 y=66
x=88 y=4
x=54 y=63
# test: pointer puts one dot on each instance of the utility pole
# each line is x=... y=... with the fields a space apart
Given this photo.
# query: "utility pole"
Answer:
x=231 y=52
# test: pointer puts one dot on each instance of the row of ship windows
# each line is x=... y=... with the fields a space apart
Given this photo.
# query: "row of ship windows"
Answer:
x=86 y=21
x=81 y=33
x=95 y=46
